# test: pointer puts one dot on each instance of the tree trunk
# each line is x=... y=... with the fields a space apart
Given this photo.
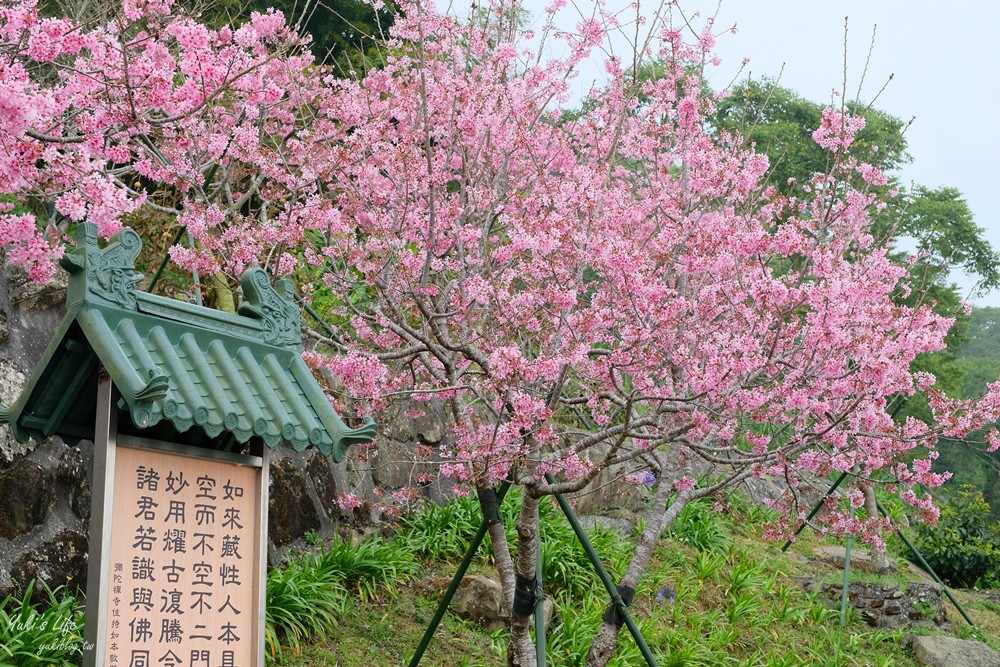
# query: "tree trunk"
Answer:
x=880 y=561
x=521 y=650
x=505 y=566
x=218 y=293
x=501 y=550
x=606 y=642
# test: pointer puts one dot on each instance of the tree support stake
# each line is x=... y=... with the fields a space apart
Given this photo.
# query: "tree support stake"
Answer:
x=815 y=509
x=924 y=564
x=847 y=577
x=442 y=607
x=609 y=585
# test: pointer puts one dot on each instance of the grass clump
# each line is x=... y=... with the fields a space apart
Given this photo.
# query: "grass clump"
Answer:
x=309 y=595
x=365 y=566
x=440 y=533
x=302 y=601
x=47 y=634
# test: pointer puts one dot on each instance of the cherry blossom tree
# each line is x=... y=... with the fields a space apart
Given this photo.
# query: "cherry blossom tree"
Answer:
x=609 y=287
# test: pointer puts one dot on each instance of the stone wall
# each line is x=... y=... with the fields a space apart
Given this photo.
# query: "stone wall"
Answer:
x=45 y=488
x=889 y=604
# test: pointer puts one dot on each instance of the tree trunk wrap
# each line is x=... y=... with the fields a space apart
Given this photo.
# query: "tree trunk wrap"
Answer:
x=521 y=650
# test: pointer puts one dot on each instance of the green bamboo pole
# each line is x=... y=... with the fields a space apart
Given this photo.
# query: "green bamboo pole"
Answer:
x=847 y=577
x=166 y=258
x=924 y=564
x=539 y=603
x=816 y=509
x=326 y=327
x=209 y=177
x=455 y=582
x=595 y=560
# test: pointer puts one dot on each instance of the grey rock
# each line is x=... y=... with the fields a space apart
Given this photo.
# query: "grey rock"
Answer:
x=12 y=381
x=28 y=294
x=480 y=599
x=291 y=512
x=325 y=483
x=429 y=427
x=72 y=478
x=61 y=561
x=27 y=491
x=938 y=651
x=861 y=560
x=616 y=525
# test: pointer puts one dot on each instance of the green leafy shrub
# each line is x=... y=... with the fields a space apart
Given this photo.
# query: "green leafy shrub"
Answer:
x=366 y=565
x=440 y=533
x=309 y=594
x=46 y=634
x=302 y=601
x=702 y=527
x=964 y=546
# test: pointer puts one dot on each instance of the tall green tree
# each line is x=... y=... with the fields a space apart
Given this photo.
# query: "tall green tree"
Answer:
x=781 y=124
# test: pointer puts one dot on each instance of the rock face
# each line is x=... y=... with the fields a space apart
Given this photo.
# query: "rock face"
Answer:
x=43 y=486
x=62 y=561
x=861 y=560
x=936 y=651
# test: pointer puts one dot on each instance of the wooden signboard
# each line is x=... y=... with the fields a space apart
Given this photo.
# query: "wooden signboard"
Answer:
x=182 y=561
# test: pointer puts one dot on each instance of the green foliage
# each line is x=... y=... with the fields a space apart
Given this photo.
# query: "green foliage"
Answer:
x=702 y=527
x=302 y=601
x=440 y=533
x=366 y=565
x=308 y=595
x=347 y=34
x=964 y=546
x=945 y=230
x=47 y=634
x=983 y=341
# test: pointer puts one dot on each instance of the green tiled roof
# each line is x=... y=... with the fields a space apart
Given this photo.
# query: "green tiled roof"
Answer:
x=177 y=366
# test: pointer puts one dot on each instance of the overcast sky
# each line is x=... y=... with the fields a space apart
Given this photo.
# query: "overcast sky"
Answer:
x=945 y=58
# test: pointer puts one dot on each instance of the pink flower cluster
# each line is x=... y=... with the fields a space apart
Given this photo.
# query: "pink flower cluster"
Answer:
x=576 y=288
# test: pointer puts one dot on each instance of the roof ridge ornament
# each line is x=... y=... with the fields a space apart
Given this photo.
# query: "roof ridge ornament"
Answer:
x=110 y=272
x=273 y=307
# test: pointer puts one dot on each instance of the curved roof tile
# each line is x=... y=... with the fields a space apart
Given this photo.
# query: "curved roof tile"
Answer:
x=234 y=377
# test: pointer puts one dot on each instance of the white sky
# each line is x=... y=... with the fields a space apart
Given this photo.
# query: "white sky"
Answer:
x=945 y=58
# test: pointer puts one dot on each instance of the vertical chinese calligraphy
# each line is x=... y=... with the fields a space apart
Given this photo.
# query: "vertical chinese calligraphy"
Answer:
x=185 y=562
